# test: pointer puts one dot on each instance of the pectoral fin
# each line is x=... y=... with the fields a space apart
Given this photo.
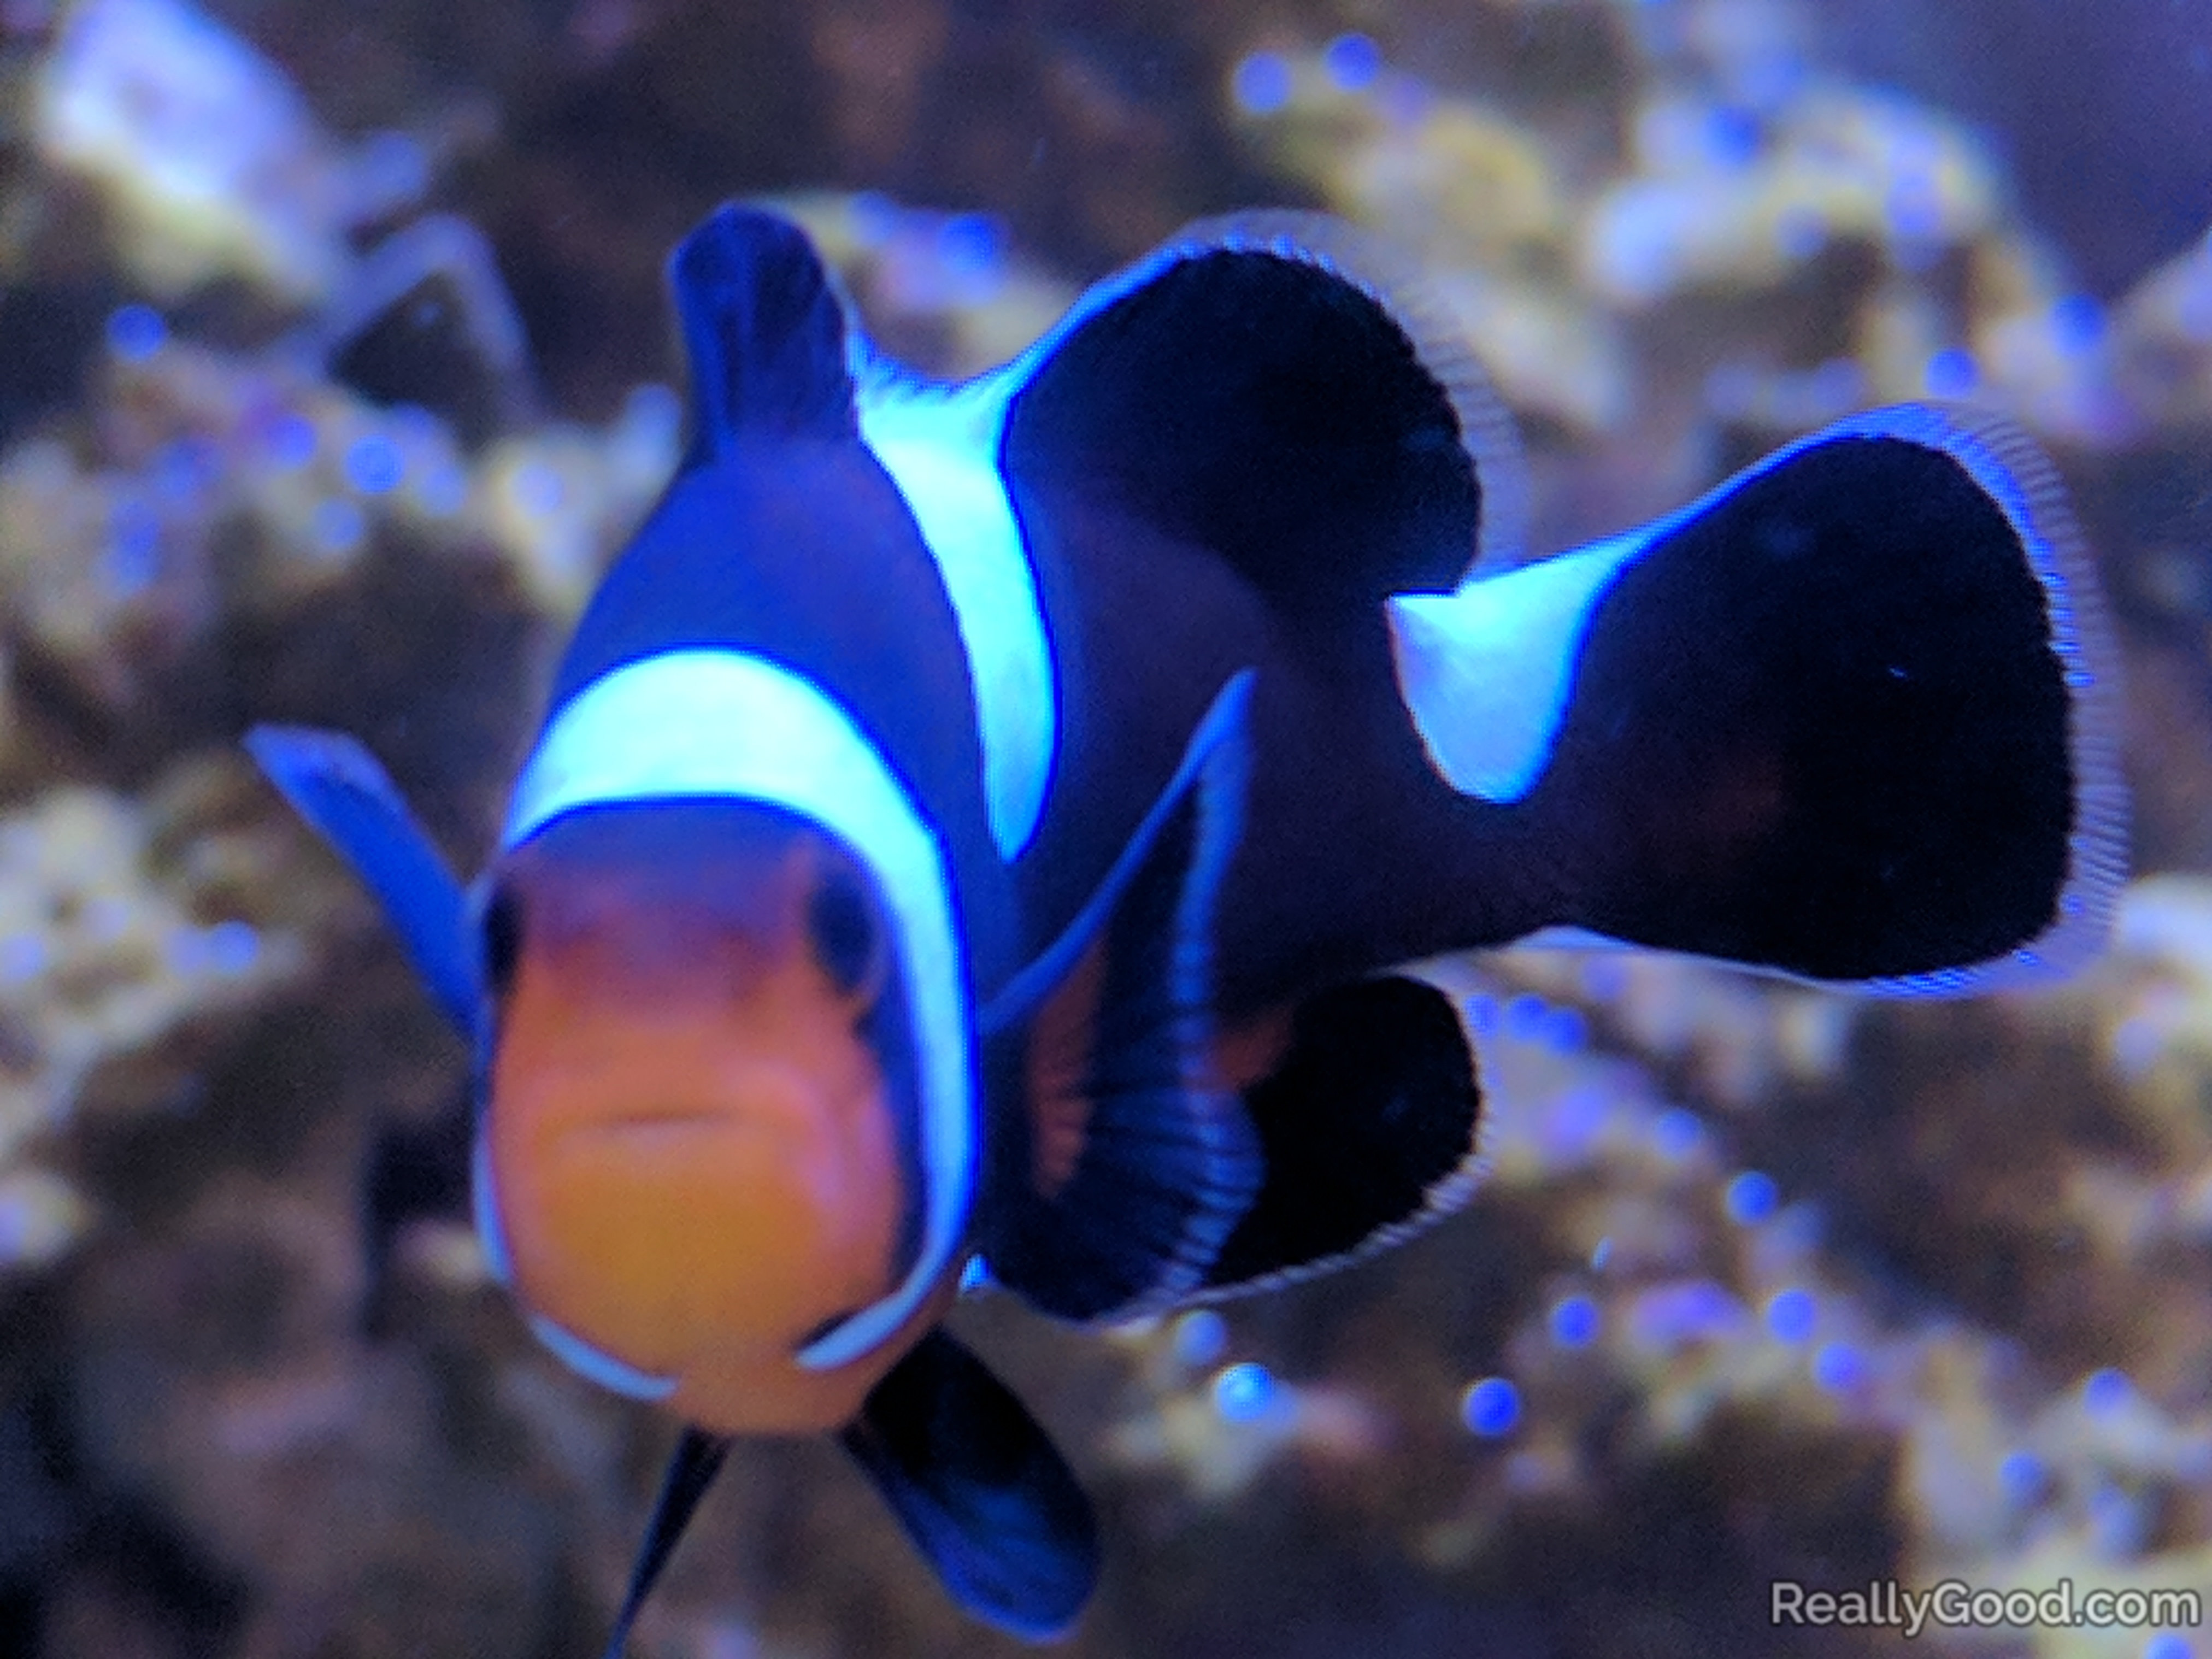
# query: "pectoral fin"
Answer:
x=1122 y=1162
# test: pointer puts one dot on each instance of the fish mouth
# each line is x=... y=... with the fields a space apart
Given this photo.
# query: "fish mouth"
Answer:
x=659 y=1124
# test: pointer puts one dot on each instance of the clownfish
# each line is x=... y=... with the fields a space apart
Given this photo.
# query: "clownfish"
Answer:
x=991 y=827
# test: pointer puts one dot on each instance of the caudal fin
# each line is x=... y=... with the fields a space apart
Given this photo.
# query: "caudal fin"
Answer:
x=1849 y=717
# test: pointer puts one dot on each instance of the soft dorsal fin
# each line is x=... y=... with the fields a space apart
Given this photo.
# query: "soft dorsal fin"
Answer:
x=1122 y=1162
x=1275 y=388
x=763 y=331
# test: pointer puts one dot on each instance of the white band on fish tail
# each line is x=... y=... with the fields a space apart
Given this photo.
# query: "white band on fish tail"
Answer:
x=717 y=724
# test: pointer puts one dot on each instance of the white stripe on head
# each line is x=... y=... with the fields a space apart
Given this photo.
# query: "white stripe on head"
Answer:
x=941 y=449
x=726 y=725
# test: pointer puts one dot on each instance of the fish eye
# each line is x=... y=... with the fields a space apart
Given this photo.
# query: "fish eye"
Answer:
x=843 y=931
x=502 y=939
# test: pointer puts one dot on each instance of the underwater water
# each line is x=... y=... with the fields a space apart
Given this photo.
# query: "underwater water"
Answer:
x=335 y=363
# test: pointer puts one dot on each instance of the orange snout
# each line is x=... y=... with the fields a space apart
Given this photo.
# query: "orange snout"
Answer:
x=697 y=1171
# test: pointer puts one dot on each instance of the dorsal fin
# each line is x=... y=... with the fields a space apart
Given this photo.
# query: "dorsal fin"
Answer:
x=1275 y=388
x=764 y=333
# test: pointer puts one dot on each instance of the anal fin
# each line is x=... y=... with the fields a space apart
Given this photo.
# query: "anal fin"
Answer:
x=1370 y=1123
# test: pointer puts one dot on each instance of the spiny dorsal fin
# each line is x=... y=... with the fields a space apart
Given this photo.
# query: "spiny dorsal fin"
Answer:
x=764 y=333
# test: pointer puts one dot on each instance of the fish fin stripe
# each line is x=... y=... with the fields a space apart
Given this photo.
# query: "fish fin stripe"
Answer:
x=1271 y=388
x=1111 y=1194
x=1849 y=718
x=763 y=333
x=979 y=1488
x=1370 y=1127
x=342 y=791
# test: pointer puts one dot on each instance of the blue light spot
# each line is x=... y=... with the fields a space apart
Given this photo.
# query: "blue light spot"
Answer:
x=1200 y=1337
x=338 y=526
x=373 y=464
x=2107 y=1392
x=1838 y=1366
x=1791 y=1315
x=1734 y=136
x=132 y=557
x=135 y=332
x=291 y=441
x=976 y=1275
x=1952 y=372
x=1524 y=1017
x=2169 y=1644
x=1490 y=1407
x=1243 y=1392
x=1751 y=1198
x=232 y=947
x=1574 y=1322
x=1261 y=84
x=1482 y=1014
x=1352 y=62
x=974 y=245
x=22 y=957
x=2079 y=322
x=2021 y=1476
x=1566 y=1030
x=1600 y=1254
x=1676 y=1135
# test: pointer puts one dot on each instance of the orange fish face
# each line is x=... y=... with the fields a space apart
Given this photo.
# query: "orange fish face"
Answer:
x=699 y=1127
